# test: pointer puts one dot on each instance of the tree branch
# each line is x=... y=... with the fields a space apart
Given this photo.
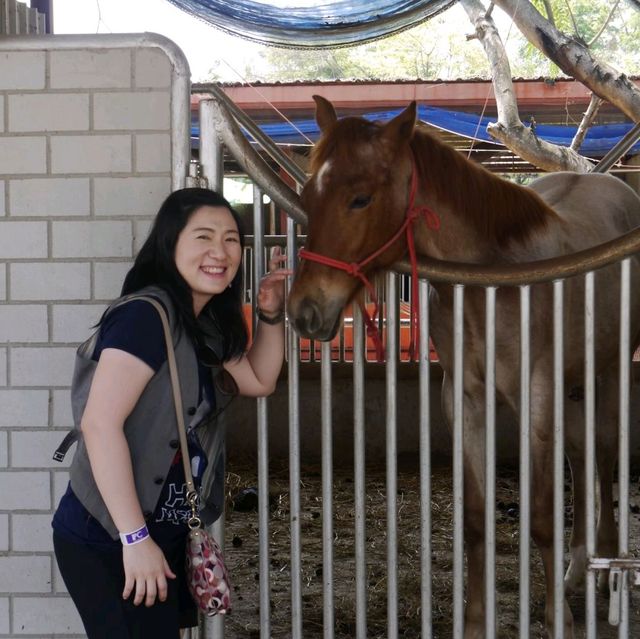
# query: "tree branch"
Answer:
x=509 y=130
x=574 y=58
x=573 y=21
x=549 y=10
x=604 y=25
x=587 y=120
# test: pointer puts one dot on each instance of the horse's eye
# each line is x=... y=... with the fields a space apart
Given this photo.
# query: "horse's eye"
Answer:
x=360 y=201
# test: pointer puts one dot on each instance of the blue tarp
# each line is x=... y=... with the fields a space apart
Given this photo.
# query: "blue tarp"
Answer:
x=598 y=141
x=316 y=26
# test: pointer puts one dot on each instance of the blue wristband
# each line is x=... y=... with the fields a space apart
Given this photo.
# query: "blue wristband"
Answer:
x=135 y=537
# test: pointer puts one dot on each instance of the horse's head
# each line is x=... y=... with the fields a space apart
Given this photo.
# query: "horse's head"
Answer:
x=355 y=200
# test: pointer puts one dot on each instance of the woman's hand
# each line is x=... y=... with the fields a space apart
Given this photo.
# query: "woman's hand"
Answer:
x=270 y=298
x=145 y=571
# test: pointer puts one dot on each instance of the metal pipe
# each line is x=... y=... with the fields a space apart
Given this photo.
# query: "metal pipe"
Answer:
x=525 y=460
x=558 y=459
x=391 y=375
x=490 y=463
x=458 y=451
x=590 y=450
x=527 y=273
x=254 y=165
x=328 y=613
x=265 y=142
x=359 y=483
x=614 y=154
x=211 y=150
x=623 y=441
x=425 y=462
x=263 y=437
x=294 y=456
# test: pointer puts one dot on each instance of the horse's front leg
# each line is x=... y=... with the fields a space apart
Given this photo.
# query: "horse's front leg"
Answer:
x=474 y=496
x=542 y=493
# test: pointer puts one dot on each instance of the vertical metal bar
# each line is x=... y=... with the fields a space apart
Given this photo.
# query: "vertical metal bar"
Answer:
x=294 y=456
x=327 y=492
x=211 y=150
x=359 y=483
x=425 y=461
x=525 y=460
x=212 y=164
x=490 y=463
x=458 y=451
x=391 y=442
x=558 y=459
x=590 y=451
x=623 y=442
x=263 y=434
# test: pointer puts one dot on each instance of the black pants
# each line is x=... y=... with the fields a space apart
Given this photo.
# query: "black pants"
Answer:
x=94 y=578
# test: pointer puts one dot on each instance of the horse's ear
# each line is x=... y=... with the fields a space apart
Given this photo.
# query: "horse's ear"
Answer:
x=325 y=113
x=400 y=129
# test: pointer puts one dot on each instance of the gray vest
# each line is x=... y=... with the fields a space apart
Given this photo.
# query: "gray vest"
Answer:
x=151 y=429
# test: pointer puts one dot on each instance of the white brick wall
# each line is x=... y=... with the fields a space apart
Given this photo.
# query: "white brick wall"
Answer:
x=48 y=112
x=50 y=197
x=85 y=162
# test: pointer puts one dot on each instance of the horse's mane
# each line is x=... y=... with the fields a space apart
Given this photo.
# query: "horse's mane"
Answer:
x=497 y=208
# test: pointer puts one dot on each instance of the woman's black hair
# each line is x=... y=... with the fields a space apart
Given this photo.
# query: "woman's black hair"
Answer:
x=155 y=266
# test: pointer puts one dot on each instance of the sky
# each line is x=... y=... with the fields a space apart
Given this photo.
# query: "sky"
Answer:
x=204 y=46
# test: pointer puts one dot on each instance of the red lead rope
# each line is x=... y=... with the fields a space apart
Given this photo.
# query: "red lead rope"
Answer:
x=355 y=269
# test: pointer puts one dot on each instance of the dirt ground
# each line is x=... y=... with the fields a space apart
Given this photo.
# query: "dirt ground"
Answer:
x=243 y=562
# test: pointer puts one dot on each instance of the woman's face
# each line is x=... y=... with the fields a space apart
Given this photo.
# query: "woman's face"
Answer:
x=208 y=253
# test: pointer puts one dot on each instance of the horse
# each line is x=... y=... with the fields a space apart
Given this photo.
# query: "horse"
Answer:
x=364 y=177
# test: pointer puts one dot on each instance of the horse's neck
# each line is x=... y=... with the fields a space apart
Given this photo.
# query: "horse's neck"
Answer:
x=482 y=218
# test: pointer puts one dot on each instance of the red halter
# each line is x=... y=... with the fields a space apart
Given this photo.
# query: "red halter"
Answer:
x=355 y=268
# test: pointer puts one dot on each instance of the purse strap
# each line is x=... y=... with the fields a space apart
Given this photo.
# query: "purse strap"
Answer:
x=192 y=493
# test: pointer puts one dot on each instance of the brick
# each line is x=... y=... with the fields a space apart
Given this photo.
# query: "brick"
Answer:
x=22 y=70
x=61 y=481
x=145 y=110
x=24 y=408
x=141 y=229
x=24 y=323
x=4 y=616
x=49 y=197
x=4 y=533
x=130 y=195
x=153 y=68
x=44 y=366
x=3 y=281
x=90 y=154
x=74 y=322
x=34 y=449
x=22 y=155
x=25 y=574
x=153 y=153
x=55 y=616
x=31 y=532
x=62 y=416
x=24 y=491
x=3 y=210
x=1 y=112
x=4 y=449
x=23 y=239
x=92 y=239
x=48 y=112
x=82 y=69
x=3 y=366
x=46 y=281
x=108 y=278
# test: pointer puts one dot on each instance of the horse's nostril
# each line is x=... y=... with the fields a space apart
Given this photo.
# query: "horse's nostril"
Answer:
x=309 y=319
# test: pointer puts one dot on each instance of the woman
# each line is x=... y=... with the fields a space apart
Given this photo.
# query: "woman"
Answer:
x=120 y=529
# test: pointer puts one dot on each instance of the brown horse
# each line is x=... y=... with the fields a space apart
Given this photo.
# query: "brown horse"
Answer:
x=357 y=198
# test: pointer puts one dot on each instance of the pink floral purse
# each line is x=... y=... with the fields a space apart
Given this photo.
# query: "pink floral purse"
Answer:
x=207 y=576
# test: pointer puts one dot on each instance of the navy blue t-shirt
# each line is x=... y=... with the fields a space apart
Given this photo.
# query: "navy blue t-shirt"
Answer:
x=136 y=328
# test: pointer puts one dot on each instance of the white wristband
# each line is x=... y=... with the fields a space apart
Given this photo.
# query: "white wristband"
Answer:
x=135 y=537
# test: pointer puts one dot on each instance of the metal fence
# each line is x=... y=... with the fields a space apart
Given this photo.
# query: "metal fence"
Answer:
x=624 y=568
